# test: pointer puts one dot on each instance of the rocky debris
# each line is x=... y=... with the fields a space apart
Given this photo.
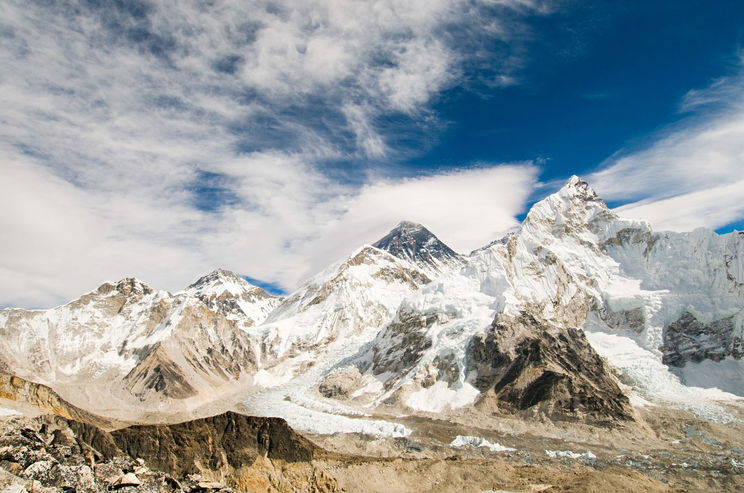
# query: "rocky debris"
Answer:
x=30 y=462
x=207 y=455
x=344 y=384
x=108 y=472
x=664 y=466
x=339 y=385
x=128 y=479
x=633 y=319
x=42 y=462
x=416 y=244
x=689 y=339
x=523 y=364
x=210 y=485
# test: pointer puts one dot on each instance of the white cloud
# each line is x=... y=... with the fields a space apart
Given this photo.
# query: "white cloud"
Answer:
x=466 y=209
x=57 y=243
x=712 y=207
x=164 y=138
x=419 y=69
x=693 y=175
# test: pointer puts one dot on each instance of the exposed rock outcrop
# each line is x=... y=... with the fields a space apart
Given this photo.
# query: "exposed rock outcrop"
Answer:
x=689 y=339
x=219 y=443
x=220 y=453
x=524 y=365
x=401 y=344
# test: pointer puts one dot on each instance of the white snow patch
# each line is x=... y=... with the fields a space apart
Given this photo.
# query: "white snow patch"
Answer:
x=471 y=441
x=263 y=378
x=571 y=455
x=323 y=423
x=440 y=397
x=725 y=375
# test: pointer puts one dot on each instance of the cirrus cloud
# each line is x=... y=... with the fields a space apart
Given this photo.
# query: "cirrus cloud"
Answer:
x=164 y=138
x=693 y=174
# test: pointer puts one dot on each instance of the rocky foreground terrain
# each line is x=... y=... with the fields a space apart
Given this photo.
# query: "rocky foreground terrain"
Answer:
x=233 y=452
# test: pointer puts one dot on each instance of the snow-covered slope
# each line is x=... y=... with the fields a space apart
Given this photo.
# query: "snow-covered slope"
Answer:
x=325 y=322
x=353 y=296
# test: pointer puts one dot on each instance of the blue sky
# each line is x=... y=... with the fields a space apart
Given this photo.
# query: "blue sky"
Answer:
x=164 y=139
x=599 y=78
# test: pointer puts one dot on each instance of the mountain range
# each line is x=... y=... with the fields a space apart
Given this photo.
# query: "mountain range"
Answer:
x=579 y=315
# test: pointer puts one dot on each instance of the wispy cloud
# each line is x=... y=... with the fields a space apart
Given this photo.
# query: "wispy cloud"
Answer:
x=711 y=207
x=693 y=174
x=465 y=208
x=164 y=138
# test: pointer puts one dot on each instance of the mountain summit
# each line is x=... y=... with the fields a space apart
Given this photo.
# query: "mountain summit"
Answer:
x=234 y=297
x=414 y=243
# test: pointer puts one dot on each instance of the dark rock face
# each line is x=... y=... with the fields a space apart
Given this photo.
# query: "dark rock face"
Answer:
x=523 y=365
x=226 y=440
x=157 y=372
x=414 y=243
x=689 y=339
x=406 y=342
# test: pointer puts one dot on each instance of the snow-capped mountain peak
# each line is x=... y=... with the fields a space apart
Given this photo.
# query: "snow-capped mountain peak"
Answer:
x=221 y=280
x=226 y=292
x=576 y=187
x=414 y=243
x=572 y=209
